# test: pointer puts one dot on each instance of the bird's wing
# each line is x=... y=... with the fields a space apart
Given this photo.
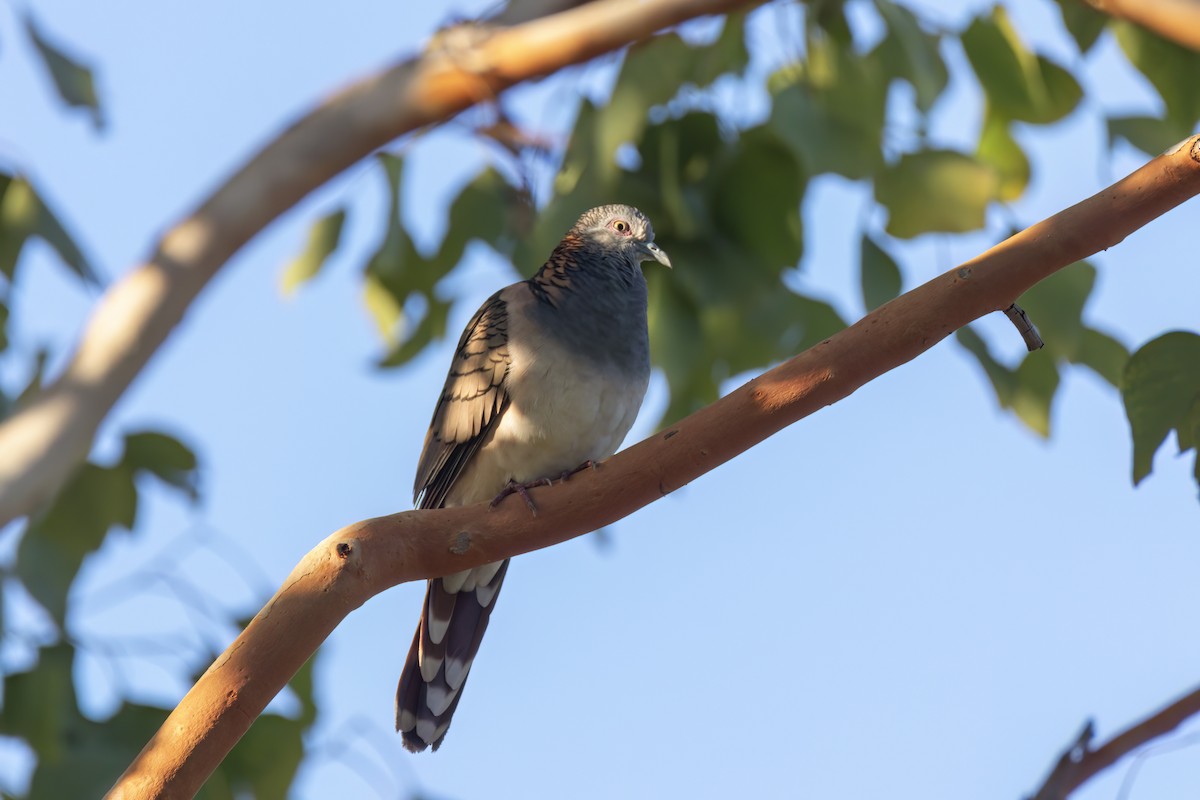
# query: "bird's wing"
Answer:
x=472 y=402
x=457 y=607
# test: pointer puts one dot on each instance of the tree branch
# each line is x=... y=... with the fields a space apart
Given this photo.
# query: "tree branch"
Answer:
x=1176 y=20
x=44 y=441
x=1079 y=763
x=364 y=559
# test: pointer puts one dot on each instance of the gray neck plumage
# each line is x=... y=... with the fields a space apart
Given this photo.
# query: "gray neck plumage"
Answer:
x=595 y=303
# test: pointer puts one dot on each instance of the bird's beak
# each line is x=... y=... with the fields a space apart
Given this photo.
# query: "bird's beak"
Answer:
x=657 y=253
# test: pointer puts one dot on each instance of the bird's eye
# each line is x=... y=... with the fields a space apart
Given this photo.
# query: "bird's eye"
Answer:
x=621 y=226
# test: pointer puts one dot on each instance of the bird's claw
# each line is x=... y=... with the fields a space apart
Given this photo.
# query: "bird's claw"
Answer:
x=589 y=464
x=522 y=489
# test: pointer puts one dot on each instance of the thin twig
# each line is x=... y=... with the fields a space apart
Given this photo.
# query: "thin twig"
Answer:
x=1079 y=763
x=1017 y=316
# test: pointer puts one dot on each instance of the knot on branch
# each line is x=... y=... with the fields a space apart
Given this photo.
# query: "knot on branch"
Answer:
x=461 y=543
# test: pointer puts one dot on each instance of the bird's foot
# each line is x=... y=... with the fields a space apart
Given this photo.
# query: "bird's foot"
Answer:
x=589 y=464
x=522 y=489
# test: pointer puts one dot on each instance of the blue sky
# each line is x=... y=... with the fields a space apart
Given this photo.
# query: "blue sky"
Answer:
x=905 y=595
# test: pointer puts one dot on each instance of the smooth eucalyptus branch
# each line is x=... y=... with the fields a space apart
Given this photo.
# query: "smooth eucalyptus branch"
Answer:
x=1176 y=20
x=1080 y=763
x=45 y=440
x=365 y=558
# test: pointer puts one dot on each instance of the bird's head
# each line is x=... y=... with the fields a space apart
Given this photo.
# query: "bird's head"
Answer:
x=624 y=229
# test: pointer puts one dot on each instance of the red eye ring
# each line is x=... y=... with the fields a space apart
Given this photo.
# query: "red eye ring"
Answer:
x=622 y=227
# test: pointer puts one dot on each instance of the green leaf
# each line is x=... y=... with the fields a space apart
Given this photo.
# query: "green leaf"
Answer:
x=1161 y=389
x=57 y=540
x=879 y=274
x=1019 y=84
x=1056 y=307
x=165 y=457
x=830 y=110
x=1148 y=134
x=72 y=79
x=757 y=202
x=395 y=271
x=481 y=212
x=323 y=238
x=3 y=327
x=1103 y=354
x=674 y=331
x=999 y=150
x=1033 y=395
x=1171 y=68
x=727 y=55
x=935 y=190
x=264 y=762
x=431 y=326
x=94 y=754
x=1083 y=22
x=1003 y=380
x=23 y=213
x=653 y=73
x=39 y=704
x=1028 y=390
x=910 y=53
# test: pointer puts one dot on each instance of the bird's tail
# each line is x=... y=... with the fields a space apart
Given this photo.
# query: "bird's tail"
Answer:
x=453 y=619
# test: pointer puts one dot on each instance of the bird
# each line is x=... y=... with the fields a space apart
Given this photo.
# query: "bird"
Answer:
x=547 y=379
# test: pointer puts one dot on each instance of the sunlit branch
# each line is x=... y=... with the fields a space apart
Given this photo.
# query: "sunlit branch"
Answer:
x=1177 y=20
x=365 y=558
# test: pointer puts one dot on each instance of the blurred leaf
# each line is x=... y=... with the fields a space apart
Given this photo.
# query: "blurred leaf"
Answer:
x=757 y=200
x=382 y=307
x=999 y=150
x=1003 y=380
x=727 y=55
x=323 y=238
x=23 y=213
x=431 y=326
x=95 y=754
x=1033 y=394
x=1056 y=307
x=263 y=763
x=481 y=212
x=1019 y=84
x=3 y=326
x=165 y=457
x=1103 y=354
x=1171 y=68
x=302 y=684
x=1083 y=22
x=910 y=53
x=396 y=271
x=73 y=81
x=1148 y=134
x=935 y=190
x=39 y=705
x=653 y=73
x=830 y=17
x=830 y=111
x=674 y=333
x=1161 y=389
x=36 y=377
x=57 y=540
x=879 y=274
x=1028 y=390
